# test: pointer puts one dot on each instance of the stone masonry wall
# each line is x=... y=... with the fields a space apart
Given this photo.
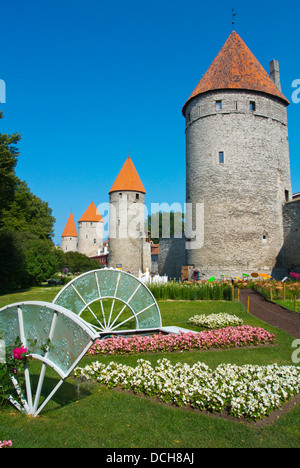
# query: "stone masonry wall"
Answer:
x=171 y=257
x=90 y=237
x=127 y=241
x=291 y=250
x=243 y=195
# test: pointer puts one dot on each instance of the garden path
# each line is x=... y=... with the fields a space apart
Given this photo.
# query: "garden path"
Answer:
x=271 y=313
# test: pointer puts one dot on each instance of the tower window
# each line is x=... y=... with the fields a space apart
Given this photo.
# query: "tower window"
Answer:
x=137 y=196
x=219 y=105
x=95 y=241
x=252 y=106
x=221 y=157
x=235 y=106
x=120 y=195
x=287 y=195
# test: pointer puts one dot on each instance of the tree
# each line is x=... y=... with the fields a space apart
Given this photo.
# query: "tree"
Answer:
x=28 y=213
x=79 y=263
x=172 y=223
x=13 y=268
x=8 y=160
x=40 y=258
x=27 y=253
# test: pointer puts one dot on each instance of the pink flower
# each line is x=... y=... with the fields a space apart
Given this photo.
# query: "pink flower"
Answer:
x=5 y=444
x=19 y=352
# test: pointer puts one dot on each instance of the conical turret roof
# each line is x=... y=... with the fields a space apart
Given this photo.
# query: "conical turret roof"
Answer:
x=91 y=214
x=70 y=228
x=235 y=67
x=128 y=179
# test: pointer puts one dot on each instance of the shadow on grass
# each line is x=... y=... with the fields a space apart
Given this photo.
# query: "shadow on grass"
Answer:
x=71 y=390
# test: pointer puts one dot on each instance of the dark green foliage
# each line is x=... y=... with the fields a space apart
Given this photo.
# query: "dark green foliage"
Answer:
x=164 y=219
x=8 y=161
x=28 y=213
x=13 y=271
x=27 y=254
x=78 y=263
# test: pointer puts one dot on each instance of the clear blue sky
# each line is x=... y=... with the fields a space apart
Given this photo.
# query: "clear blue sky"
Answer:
x=89 y=81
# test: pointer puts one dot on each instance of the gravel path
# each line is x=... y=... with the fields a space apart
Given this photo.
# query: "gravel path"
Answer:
x=271 y=313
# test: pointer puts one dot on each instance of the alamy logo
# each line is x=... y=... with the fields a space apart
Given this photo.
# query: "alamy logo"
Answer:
x=295 y=354
x=2 y=92
x=296 y=93
x=128 y=221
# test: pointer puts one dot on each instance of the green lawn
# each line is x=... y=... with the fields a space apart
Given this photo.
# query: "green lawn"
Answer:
x=289 y=304
x=87 y=415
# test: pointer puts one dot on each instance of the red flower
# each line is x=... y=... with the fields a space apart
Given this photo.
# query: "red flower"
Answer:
x=19 y=352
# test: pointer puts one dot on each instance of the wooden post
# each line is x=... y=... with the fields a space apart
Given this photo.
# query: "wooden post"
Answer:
x=233 y=292
x=295 y=303
x=238 y=294
x=271 y=294
x=248 y=304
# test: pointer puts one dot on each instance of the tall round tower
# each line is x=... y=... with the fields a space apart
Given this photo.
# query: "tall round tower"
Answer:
x=128 y=248
x=90 y=232
x=237 y=164
x=69 y=236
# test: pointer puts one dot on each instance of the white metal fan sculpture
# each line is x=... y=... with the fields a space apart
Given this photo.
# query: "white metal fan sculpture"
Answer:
x=112 y=301
x=70 y=338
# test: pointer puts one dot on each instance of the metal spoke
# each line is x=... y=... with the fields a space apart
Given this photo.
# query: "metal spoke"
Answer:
x=100 y=299
x=126 y=305
x=113 y=301
x=135 y=315
x=87 y=307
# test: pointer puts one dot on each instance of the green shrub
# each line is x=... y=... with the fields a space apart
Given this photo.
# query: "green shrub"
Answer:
x=192 y=292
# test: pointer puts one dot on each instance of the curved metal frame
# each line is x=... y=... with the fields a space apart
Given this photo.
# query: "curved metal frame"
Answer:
x=17 y=328
x=107 y=326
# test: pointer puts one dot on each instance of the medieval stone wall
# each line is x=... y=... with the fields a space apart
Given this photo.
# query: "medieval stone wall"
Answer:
x=291 y=250
x=171 y=257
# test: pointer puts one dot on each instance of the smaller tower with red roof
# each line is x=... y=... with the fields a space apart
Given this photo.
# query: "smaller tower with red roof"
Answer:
x=128 y=249
x=90 y=232
x=69 y=236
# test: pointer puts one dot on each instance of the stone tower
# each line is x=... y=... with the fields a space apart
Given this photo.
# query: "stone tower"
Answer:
x=90 y=232
x=128 y=248
x=237 y=164
x=69 y=236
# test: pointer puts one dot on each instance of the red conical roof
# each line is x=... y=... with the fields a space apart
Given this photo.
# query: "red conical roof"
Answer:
x=70 y=228
x=128 y=179
x=91 y=214
x=235 y=67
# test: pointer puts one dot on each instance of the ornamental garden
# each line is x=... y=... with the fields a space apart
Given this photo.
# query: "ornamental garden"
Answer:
x=228 y=364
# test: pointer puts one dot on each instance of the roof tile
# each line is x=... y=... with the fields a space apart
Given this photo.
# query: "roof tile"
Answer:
x=128 y=179
x=235 y=67
x=91 y=214
x=70 y=228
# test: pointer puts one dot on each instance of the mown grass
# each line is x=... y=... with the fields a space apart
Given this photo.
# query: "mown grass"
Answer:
x=87 y=415
x=289 y=304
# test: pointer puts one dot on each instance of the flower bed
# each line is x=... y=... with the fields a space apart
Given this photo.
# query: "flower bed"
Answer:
x=216 y=320
x=223 y=338
x=246 y=391
x=292 y=289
